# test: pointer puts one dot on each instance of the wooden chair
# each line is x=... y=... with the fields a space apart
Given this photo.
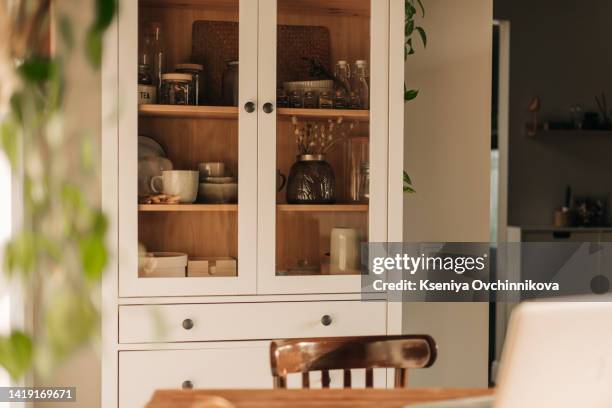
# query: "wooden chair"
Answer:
x=345 y=353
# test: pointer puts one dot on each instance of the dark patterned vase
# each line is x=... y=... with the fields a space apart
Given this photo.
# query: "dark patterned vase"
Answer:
x=311 y=181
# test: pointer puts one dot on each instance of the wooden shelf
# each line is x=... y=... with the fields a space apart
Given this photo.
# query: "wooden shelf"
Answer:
x=322 y=207
x=356 y=114
x=188 y=207
x=188 y=111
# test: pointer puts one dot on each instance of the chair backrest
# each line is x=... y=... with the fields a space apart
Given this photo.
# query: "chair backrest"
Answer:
x=346 y=353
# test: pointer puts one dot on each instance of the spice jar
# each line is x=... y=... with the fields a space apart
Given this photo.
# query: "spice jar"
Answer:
x=296 y=99
x=326 y=100
x=282 y=100
x=364 y=182
x=177 y=89
x=310 y=100
x=195 y=70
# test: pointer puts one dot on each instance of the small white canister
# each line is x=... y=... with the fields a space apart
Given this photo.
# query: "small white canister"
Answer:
x=344 y=251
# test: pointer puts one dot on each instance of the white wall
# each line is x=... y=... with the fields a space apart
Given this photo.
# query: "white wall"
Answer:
x=447 y=153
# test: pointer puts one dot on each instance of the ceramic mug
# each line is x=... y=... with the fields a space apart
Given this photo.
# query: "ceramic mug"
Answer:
x=344 y=251
x=211 y=169
x=182 y=183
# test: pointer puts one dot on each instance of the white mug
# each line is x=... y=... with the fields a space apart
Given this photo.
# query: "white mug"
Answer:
x=344 y=251
x=182 y=183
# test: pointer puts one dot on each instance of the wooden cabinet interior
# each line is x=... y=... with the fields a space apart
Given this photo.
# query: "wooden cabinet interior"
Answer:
x=349 y=35
x=194 y=134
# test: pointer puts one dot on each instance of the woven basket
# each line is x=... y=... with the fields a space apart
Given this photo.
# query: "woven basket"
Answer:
x=216 y=42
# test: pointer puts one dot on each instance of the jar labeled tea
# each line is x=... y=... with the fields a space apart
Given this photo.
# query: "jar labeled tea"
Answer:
x=177 y=89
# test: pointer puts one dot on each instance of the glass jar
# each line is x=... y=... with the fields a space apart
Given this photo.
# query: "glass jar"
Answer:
x=361 y=83
x=195 y=70
x=343 y=74
x=147 y=92
x=229 y=85
x=153 y=52
x=296 y=99
x=177 y=89
x=353 y=100
x=310 y=100
x=340 y=99
x=144 y=74
x=364 y=182
x=326 y=100
x=311 y=181
x=282 y=100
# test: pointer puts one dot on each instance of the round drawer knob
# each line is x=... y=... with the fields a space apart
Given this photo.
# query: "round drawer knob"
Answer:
x=187 y=385
x=249 y=107
x=187 y=324
x=326 y=320
x=268 y=107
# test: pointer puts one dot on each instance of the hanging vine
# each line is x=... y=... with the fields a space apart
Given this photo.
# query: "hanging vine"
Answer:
x=411 y=30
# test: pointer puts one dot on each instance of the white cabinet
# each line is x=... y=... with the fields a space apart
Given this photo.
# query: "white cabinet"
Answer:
x=284 y=280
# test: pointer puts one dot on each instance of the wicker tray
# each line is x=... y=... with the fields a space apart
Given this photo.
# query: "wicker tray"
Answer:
x=216 y=42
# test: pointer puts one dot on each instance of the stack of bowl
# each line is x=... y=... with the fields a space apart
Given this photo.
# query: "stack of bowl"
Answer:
x=216 y=186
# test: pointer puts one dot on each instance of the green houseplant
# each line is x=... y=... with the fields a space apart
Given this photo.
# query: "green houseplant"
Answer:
x=411 y=29
x=59 y=253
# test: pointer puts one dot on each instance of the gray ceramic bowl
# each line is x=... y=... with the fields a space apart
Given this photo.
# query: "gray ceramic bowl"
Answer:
x=212 y=193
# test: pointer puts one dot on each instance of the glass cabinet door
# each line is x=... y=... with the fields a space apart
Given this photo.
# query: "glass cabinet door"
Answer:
x=323 y=136
x=187 y=170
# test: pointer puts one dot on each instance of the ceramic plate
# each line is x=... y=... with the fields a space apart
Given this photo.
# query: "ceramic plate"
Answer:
x=148 y=147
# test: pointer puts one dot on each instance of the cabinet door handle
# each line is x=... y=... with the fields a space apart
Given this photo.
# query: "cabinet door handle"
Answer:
x=268 y=107
x=249 y=107
x=326 y=320
x=187 y=324
x=187 y=385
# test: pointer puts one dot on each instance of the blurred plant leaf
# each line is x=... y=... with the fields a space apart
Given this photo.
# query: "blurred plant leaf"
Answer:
x=20 y=254
x=16 y=354
x=8 y=140
x=408 y=188
x=423 y=35
x=410 y=94
x=37 y=69
x=70 y=319
x=65 y=30
x=105 y=11
x=93 y=257
x=93 y=47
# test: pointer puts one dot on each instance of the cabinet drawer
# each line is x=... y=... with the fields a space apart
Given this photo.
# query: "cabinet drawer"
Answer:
x=242 y=321
x=143 y=372
x=222 y=366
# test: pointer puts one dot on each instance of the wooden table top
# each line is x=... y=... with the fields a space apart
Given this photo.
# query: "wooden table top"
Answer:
x=378 y=398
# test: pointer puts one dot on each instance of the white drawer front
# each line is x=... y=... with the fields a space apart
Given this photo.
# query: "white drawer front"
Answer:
x=143 y=372
x=249 y=321
x=220 y=366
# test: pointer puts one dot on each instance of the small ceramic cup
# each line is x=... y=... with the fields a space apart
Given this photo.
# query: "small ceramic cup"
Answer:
x=211 y=169
x=182 y=183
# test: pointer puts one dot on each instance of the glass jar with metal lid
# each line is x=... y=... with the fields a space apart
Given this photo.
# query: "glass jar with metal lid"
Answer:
x=177 y=89
x=196 y=72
